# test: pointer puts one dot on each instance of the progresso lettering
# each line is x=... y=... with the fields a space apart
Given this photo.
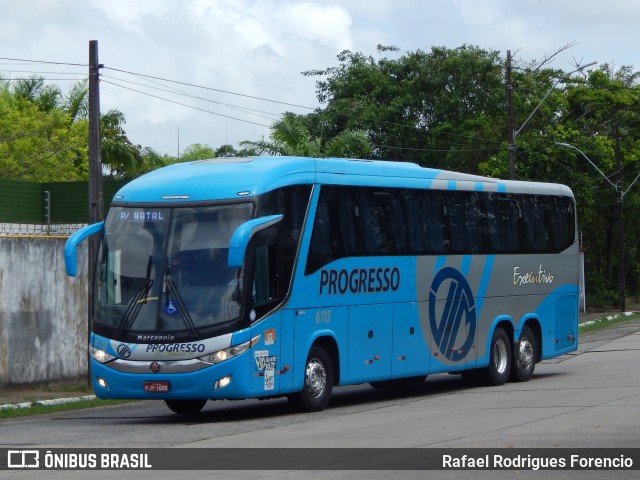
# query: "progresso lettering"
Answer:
x=177 y=347
x=359 y=280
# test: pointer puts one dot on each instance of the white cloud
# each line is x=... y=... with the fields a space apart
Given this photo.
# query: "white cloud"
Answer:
x=259 y=47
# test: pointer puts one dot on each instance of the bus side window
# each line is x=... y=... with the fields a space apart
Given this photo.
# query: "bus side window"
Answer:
x=503 y=220
x=377 y=222
x=265 y=278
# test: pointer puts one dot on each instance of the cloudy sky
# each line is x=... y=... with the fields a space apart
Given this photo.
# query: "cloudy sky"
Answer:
x=249 y=54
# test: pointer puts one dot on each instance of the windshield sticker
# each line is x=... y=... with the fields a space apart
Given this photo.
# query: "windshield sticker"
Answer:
x=170 y=308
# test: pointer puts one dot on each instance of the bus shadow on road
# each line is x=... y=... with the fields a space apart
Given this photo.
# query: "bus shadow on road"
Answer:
x=353 y=397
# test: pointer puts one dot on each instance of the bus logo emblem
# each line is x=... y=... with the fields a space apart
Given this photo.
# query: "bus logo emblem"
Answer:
x=124 y=351
x=459 y=305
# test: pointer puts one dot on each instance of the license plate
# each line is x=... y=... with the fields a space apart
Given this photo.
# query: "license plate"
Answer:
x=156 y=387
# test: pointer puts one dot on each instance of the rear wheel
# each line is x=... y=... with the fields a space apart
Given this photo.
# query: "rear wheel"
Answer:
x=318 y=382
x=497 y=373
x=525 y=356
x=185 y=406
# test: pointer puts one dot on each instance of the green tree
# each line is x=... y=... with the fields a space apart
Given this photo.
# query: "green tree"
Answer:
x=604 y=112
x=197 y=151
x=37 y=145
x=443 y=108
x=230 y=151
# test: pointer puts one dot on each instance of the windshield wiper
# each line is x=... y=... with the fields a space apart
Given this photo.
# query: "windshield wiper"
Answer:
x=182 y=308
x=139 y=299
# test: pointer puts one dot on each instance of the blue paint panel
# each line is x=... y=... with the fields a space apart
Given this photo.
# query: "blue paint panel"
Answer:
x=411 y=352
x=370 y=343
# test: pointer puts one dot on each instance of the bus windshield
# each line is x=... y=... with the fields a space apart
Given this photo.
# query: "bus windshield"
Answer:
x=164 y=272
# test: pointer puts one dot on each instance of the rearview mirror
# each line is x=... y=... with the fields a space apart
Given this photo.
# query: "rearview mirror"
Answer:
x=241 y=237
x=71 y=247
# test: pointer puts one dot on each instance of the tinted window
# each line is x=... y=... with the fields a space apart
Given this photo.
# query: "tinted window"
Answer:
x=359 y=221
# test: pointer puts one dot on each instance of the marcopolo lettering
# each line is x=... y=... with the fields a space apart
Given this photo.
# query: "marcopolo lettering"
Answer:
x=359 y=280
x=176 y=347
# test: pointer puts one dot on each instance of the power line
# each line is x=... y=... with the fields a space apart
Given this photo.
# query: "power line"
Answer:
x=211 y=89
x=185 y=105
x=438 y=150
x=44 y=62
x=196 y=97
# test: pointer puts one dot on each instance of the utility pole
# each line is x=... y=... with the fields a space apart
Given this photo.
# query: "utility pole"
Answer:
x=510 y=121
x=620 y=196
x=95 y=173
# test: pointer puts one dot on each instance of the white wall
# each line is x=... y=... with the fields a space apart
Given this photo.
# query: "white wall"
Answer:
x=43 y=313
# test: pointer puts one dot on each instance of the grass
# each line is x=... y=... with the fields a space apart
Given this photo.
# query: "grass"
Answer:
x=75 y=405
x=608 y=321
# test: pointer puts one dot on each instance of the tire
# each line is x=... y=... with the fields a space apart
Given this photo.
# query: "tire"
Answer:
x=525 y=356
x=318 y=382
x=399 y=382
x=185 y=407
x=500 y=354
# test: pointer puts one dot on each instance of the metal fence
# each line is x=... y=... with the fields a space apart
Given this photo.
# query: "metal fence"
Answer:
x=38 y=230
x=47 y=209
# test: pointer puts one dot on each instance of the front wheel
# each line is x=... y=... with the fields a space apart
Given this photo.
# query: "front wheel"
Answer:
x=524 y=356
x=497 y=373
x=318 y=382
x=184 y=407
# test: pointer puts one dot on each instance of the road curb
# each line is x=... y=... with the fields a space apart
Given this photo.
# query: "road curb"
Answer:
x=53 y=401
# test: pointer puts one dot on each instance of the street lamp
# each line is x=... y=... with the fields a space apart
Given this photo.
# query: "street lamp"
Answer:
x=514 y=132
x=617 y=186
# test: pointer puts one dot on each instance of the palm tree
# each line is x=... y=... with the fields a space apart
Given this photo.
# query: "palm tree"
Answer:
x=290 y=136
x=33 y=89
x=50 y=97
x=76 y=102
x=119 y=155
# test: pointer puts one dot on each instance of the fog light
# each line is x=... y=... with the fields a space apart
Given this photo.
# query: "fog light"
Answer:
x=223 y=382
x=103 y=383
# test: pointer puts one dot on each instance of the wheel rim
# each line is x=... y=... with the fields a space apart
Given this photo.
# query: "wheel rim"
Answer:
x=525 y=354
x=500 y=356
x=316 y=378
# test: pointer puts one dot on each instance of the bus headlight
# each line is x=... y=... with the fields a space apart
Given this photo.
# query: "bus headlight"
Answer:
x=100 y=355
x=227 y=353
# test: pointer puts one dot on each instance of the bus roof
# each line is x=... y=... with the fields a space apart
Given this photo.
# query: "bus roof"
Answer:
x=233 y=178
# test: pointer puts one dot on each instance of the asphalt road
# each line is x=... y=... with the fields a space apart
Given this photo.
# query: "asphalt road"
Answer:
x=589 y=399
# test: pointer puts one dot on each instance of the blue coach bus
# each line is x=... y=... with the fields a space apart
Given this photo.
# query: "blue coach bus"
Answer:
x=280 y=276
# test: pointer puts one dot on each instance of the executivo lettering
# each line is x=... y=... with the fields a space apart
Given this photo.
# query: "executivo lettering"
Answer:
x=532 y=277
